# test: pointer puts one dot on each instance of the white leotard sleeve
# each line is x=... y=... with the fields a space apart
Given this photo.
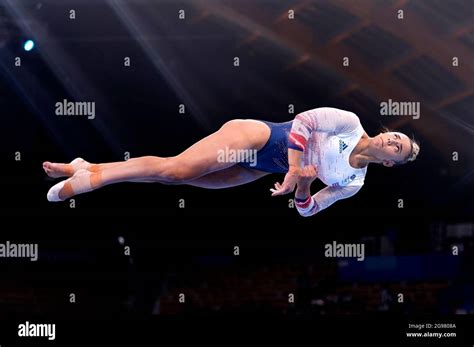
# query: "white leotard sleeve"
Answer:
x=323 y=119
x=325 y=198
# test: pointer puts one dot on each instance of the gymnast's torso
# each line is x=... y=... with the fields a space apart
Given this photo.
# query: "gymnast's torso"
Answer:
x=328 y=146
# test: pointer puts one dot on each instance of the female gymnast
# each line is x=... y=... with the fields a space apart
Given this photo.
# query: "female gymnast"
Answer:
x=325 y=143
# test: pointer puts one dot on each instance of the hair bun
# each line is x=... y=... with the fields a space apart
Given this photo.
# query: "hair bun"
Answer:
x=414 y=151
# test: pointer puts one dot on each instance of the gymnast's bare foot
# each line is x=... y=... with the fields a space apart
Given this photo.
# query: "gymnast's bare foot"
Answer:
x=56 y=170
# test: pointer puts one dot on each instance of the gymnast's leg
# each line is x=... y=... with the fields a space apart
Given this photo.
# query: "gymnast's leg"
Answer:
x=228 y=178
x=198 y=160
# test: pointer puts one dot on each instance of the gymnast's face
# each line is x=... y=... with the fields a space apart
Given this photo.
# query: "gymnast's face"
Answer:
x=391 y=147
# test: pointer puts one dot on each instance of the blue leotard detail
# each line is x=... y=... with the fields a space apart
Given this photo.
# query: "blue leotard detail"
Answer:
x=273 y=157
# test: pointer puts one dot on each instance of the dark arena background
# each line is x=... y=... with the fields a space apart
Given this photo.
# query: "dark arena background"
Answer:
x=135 y=262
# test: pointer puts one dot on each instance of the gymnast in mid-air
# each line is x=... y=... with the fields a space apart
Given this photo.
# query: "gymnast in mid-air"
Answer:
x=325 y=143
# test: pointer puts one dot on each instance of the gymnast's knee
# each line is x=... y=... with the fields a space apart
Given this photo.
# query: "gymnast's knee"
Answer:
x=173 y=171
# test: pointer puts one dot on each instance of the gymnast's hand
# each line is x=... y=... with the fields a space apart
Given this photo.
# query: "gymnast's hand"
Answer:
x=289 y=183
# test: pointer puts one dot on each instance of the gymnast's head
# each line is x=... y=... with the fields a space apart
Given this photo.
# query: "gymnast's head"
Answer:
x=392 y=148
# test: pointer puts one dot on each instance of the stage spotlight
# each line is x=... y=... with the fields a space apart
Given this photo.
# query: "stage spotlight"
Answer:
x=29 y=45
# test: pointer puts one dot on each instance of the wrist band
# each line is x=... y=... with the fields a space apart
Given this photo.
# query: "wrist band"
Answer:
x=304 y=203
x=306 y=207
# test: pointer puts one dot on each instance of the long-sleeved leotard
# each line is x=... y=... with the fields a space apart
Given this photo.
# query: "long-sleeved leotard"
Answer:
x=327 y=137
